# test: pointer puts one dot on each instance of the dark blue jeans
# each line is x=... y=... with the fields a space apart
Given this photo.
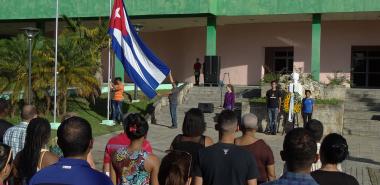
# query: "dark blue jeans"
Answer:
x=173 y=114
x=272 y=115
x=117 y=114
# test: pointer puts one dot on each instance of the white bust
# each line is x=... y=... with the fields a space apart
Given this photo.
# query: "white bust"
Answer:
x=295 y=86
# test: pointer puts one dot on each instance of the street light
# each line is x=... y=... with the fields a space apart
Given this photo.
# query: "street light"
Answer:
x=138 y=28
x=30 y=32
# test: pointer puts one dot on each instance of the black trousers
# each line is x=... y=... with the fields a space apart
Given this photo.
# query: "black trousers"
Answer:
x=306 y=117
x=197 y=79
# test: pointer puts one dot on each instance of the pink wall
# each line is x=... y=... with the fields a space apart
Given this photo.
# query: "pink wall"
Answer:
x=337 y=39
x=242 y=47
x=179 y=49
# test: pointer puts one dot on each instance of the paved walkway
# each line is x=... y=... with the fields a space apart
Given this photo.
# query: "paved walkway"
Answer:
x=161 y=137
x=364 y=150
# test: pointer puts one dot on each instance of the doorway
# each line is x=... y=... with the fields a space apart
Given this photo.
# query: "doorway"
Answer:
x=365 y=66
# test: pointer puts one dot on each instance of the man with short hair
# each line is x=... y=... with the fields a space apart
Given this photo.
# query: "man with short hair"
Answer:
x=273 y=98
x=4 y=125
x=173 y=102
x=299 y=153
x=75 y=140
x=15 y=136
x=257 y=147
x=224 y=162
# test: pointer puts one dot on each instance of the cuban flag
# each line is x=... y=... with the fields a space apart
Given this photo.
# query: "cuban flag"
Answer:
x=141 y=65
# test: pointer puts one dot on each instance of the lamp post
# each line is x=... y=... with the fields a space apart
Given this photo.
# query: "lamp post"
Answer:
x=138 y=28
x=30 y=32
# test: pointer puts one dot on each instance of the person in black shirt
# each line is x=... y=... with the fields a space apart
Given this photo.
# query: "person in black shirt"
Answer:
x=224 y=162
x=334 y=150
x=273 y=97
x=4 y=125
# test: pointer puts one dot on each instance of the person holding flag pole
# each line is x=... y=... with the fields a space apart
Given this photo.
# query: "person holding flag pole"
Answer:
x=145 y=69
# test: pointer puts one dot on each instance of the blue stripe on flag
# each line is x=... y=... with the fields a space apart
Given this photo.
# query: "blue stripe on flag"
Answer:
x=146 y=88
x=149 y=54
x=152 y=82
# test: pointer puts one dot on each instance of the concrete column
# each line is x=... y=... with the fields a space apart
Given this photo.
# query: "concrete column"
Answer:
x=211 y=36
x=119 y=69
x=316 y=47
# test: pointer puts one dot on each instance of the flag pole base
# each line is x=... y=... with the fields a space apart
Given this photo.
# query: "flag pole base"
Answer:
x=54 y=126
x=108 y=123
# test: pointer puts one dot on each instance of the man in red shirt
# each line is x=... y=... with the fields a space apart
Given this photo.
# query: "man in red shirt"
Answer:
x=116 y=142
x=197 y=71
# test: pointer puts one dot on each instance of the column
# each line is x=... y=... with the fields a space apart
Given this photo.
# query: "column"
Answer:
x=316 y=47
x=211 y=36
x=119 y=69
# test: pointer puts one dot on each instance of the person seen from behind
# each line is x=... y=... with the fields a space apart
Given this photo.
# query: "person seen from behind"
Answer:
x=224 y=162
x=117 y=142
x=4 y=125
x=307 y=107
x=273 y=99
x=315 y=127
x=35 y=155
x=131 y=163
x=5 y=163
x=175 y=169
x=15 y=136
x=229 y=98
x=299 y=153
x=334 y=150
x=192 y=139
x=258 y=148
x=75 y=139
x=117 y=88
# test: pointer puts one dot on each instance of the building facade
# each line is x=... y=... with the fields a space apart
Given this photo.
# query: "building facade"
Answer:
x=252 y=37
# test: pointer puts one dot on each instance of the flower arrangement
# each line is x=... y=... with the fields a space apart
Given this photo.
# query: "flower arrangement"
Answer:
x=297 y=102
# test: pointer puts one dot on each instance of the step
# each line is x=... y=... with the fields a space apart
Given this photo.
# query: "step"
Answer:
x=350 y=107
x=360 y=127
x=364 y=115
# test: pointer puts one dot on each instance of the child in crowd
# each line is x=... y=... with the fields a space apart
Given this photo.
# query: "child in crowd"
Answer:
x=229 y=98
x=334 y=150
x=5 y=162
x=315 y=127
x=307 y=107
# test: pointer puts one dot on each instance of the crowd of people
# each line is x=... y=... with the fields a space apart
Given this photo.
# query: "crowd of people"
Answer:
x=192 y=159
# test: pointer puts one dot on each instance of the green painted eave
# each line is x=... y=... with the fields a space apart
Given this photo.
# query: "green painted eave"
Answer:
x=45 y=9
x=273 y=7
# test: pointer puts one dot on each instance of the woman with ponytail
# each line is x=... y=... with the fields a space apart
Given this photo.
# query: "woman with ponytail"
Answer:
x=131 y=163
x=35 y=154
x=175 y=169
x=334 y=150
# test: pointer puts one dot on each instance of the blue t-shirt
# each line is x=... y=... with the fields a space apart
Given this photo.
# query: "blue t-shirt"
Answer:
x=70 y=172
x=307 y=105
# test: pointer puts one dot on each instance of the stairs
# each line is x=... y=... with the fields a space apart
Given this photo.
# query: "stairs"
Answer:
x=195 y=96
x=362 y=113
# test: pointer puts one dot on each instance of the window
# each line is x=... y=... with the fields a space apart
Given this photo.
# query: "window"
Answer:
x=365 y=66
x=279 y=60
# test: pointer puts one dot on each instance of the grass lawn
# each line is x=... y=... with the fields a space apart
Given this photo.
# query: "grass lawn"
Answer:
x=97 y=112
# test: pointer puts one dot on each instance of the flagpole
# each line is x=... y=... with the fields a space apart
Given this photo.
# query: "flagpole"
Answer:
x=109 y=71
x=56 y=61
